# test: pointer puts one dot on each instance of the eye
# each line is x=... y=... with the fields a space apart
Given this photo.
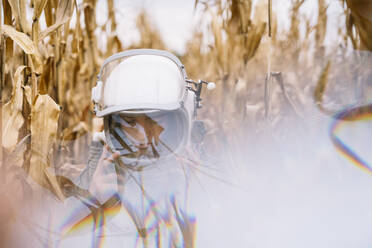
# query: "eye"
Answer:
x=130 y=120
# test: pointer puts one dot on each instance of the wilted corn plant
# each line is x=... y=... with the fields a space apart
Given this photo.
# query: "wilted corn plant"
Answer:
x=37 y=68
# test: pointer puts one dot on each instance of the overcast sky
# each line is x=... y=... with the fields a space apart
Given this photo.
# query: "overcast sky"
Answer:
x=176 y=19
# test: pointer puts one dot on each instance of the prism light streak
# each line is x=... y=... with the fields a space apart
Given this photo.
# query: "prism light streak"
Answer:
x=96 y=220
x=151 y=220
x=362 y=113
x=71 y=225
x=98 y=238
x=179 y=227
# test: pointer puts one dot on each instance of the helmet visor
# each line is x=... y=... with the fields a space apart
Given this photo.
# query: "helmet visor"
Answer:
x=143 y=138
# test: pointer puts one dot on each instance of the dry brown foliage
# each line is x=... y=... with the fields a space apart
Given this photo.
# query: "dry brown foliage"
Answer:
x=62 y=61
x=47 y=73
x=359 y=15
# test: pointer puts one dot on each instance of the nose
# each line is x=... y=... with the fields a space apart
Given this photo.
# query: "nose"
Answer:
x=143 y=146
x=137 y=136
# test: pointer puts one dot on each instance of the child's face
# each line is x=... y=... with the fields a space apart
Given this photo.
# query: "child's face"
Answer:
x=146 y=136
x=141 y=130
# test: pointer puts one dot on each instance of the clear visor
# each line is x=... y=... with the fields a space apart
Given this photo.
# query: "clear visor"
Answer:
x=141 y=82
x=144 y=138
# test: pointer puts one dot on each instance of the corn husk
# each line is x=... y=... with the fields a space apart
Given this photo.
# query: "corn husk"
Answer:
x=12 y=113
x=44 y=125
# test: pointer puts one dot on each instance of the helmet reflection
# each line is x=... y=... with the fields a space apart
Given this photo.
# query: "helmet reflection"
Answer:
x=145 y=136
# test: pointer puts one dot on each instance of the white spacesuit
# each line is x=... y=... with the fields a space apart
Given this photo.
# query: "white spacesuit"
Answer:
x=150 y=130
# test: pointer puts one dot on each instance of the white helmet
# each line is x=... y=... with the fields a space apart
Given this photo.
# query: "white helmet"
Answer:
x=151 y=83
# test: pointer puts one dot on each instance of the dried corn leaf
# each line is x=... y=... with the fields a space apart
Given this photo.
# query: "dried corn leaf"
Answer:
x=8 y=21
x=321 y=88
x=63 y=14
x=27 y=94
x=44 y=123
x=45 y=79
x=253 y=41
x=19 y=12
x=54 y=183
x=77 y=33
x=38 y=8
x=36 y=64
x=361 y=17
x=74 y=132
x=12 y=113
x=20 y=38
x=361 y=7
x=48 y=13
x=27 y=45
x=7 y=12
x=35 y=31
x=321 y=26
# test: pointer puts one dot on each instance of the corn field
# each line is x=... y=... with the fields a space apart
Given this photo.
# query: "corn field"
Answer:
x=265 y=77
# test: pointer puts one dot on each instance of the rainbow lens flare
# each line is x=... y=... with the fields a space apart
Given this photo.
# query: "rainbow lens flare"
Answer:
x=354 y=114
x=96 y=220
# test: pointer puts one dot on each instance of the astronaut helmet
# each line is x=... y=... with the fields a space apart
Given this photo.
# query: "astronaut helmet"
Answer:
x=148 y=105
